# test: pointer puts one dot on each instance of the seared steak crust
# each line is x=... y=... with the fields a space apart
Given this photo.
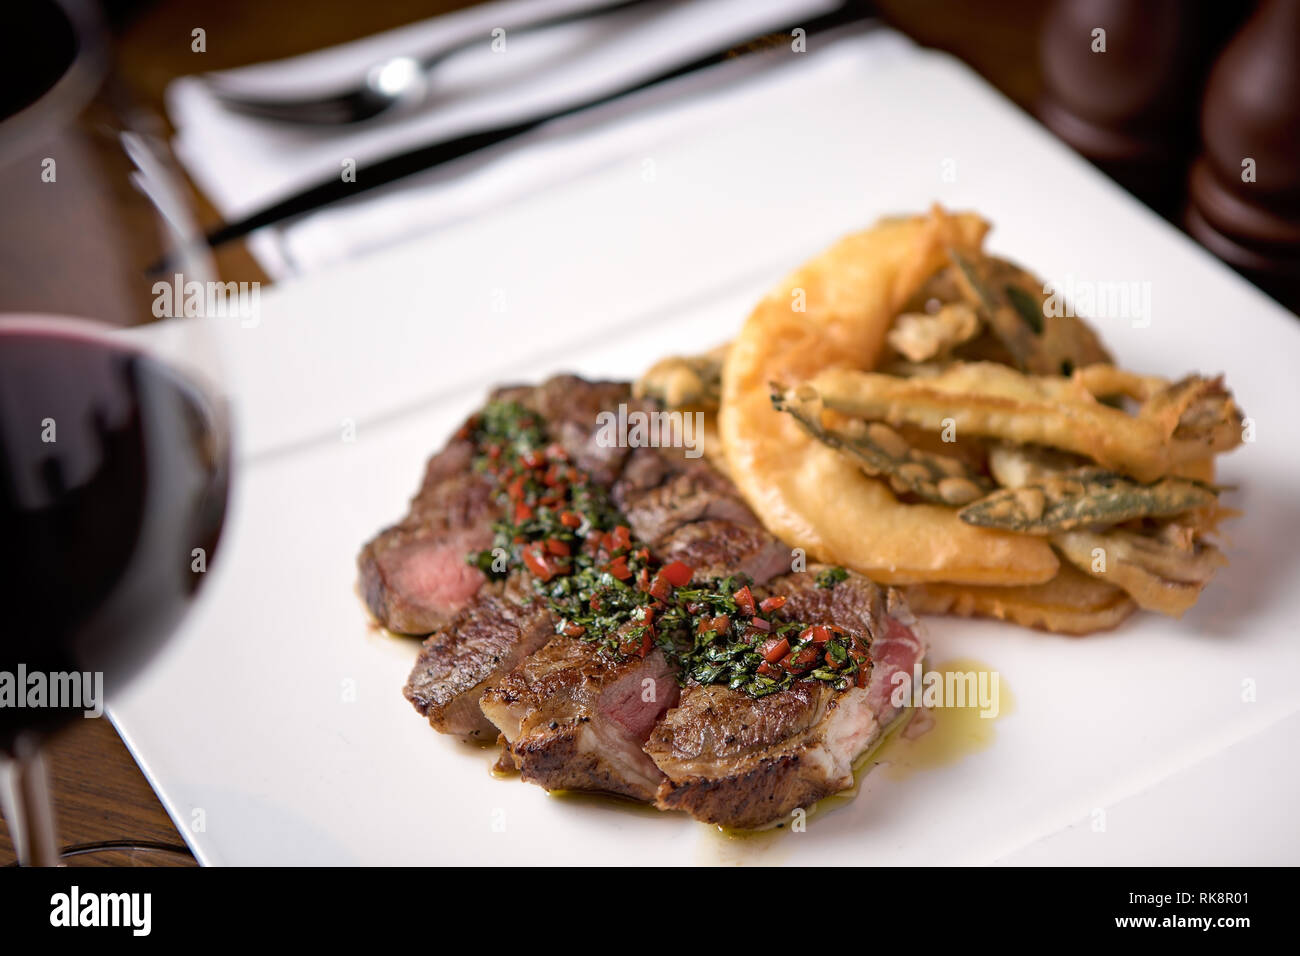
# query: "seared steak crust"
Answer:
x=744 y=762
x=686 y=511
x=501 y=625
x=661 y=490
x=575 y=720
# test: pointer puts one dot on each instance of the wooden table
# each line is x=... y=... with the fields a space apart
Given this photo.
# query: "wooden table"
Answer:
x=100 y=794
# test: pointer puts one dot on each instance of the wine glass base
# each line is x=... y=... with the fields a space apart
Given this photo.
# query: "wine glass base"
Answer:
x=122 y=853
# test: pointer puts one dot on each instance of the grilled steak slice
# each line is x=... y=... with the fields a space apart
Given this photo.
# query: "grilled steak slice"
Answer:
x=414 y=576
x=575 y=720
x=745 y=762
x=569 y=406
x=661 y=490
x=716 y=548
x=687 y=511
x=500 y=626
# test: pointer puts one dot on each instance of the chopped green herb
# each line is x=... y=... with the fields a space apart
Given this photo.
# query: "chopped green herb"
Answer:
x=831 y=577
x=604 y=586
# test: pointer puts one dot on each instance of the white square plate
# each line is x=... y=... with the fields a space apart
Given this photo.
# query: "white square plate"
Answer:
x=273 y=727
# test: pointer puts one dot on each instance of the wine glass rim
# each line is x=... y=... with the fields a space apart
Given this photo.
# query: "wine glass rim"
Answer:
x=59 y=324
x=70 y=92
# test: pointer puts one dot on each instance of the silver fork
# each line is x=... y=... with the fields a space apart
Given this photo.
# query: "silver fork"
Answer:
x=397 y=80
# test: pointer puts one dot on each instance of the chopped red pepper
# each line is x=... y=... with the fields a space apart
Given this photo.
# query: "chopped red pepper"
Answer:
x=621 y=538
x=522 y=513
x=716 y=625
x=818 y=634
x=538 y=562
x=533 y=459
x=802 y=661
x=647 y=639
x=570 y=520
x=660 y=587
x=556 y=546
x=677 y=573
x=618 y=567
x=745 y=600
x=773 y=649
x=774 y=603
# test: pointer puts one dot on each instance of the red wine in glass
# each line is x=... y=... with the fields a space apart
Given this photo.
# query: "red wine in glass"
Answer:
x=113 y=482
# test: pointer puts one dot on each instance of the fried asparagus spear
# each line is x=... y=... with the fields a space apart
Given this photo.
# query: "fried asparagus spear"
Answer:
x=882 y=452
x=1082 y=497
x=1187 y=421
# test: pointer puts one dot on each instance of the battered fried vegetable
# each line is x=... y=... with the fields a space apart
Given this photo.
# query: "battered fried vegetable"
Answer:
x=1107 y=381
x=881 y=451
x=1013 y=466
x=837 y=310
x=1070 y=603
x=682 y=380
x=1162 y=571
x=904 y=361
x=1184 y=422
x=920 y=336
x=1013 y=305
x=1084 y=496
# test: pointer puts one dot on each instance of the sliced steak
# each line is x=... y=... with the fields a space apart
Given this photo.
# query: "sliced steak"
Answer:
x=576 y=720
x=414 y=576
x=573 y=717
x=570 y=405
x=661 y=490
x=745 y=762
x=716 y=548
x=687 y=511
x=499 y=628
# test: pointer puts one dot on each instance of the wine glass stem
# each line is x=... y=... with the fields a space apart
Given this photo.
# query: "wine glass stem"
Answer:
x=27 y=804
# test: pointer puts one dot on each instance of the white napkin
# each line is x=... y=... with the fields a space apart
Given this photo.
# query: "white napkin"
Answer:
x=243 y=163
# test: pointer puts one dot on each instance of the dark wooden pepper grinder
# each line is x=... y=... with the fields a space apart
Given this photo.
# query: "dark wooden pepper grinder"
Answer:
x=1244 y=189
x=1122 y=80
